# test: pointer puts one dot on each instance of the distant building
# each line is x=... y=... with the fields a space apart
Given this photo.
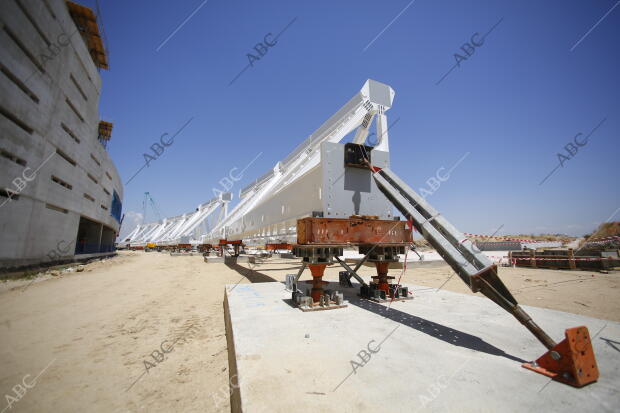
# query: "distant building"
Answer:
x=60 y=194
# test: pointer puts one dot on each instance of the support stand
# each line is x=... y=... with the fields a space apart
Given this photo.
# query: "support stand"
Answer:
x=317 y=282
x=317 y=258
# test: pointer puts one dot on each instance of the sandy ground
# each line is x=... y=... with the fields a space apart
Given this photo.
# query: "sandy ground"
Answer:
x=145 y=331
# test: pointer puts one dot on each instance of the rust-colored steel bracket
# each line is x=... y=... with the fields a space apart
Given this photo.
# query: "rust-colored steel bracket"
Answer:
x=382 y=277
x=227 y=242
x=354 y=231
x=317 y=282
x=571 y=361
x=281 y=246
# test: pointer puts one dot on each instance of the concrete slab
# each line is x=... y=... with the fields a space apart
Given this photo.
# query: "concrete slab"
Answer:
x=442 y=351
x=240 y=260
x=287 y=255
x=214 y=259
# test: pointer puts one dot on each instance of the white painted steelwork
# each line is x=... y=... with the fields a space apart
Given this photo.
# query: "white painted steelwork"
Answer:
x=182 y=229
x=293 y=189
x=310 y=180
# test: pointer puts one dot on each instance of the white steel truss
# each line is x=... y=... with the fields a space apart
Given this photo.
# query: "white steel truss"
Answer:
x=296 y=187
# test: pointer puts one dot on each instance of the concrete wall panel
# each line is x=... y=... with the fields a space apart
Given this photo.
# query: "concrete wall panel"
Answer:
x=29 y=229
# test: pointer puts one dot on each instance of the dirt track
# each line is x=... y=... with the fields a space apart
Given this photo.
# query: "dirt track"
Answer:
x=101 y=333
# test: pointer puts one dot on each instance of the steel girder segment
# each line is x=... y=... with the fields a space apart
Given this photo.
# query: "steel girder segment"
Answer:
x=197 y=219
x=148 y=234
x=169 y=226
x=132 y=234
x=374 y=97
x=155 y=236
x=145 y=230
x=178 y=225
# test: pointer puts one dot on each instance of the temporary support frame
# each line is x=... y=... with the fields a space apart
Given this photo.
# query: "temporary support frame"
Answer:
x=561 y=362
x=379 y=240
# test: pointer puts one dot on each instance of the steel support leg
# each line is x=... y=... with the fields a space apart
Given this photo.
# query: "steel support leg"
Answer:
x=301 y=270
x=382 y=277
x=317 y=271
x=352 y=273
x=359 y=264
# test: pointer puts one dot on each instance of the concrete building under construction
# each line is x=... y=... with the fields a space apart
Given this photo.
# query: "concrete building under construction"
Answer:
x=60 y=194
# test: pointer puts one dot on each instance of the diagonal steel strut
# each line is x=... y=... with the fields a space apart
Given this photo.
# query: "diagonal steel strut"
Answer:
x=469 y=263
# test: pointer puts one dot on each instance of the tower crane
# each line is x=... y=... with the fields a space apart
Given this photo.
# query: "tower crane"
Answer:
x=148 y=197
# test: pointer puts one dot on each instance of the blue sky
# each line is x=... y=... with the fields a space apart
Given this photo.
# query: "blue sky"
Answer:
x=512 y=106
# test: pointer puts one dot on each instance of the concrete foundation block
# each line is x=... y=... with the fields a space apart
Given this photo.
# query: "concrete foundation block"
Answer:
x=214 y=260
x=287 y=255
x=239 y=260
x=441 y=351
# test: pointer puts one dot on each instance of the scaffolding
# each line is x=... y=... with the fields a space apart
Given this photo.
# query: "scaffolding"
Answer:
x=105 y=133
x=86 y=22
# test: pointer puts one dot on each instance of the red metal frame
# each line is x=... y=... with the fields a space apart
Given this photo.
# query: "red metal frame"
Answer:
x=338 y=231
x=227 y=242
x=351 y=231
x=273 y=247
x=317 y=282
